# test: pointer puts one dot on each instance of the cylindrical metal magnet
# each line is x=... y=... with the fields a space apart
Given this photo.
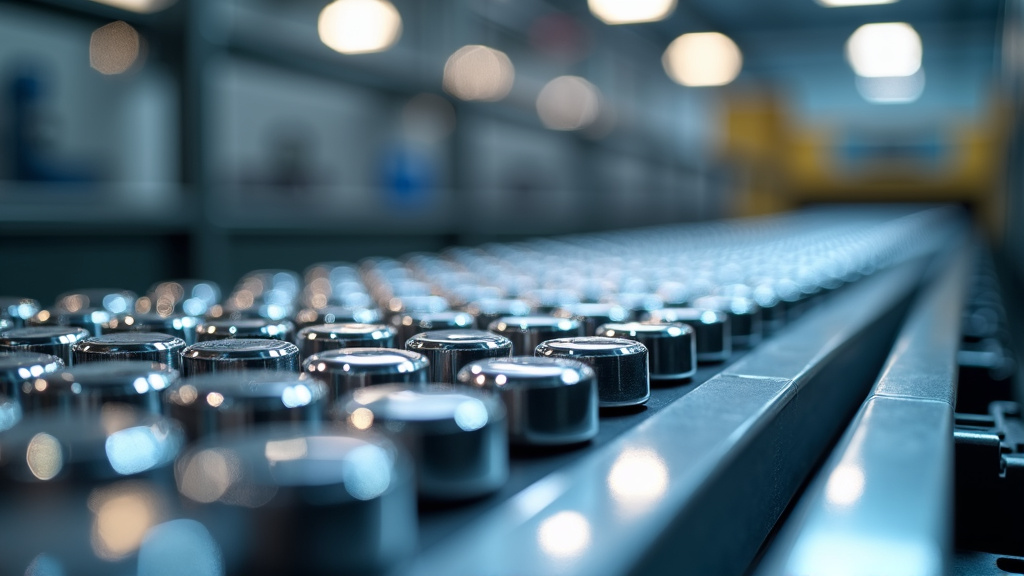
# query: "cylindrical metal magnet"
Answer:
x=714 y=341
x=79 y=492
x=592 y=314
x=149 y=346
x=744 y=317
x=55 y=340
x=245 y=328
x=347 y=369
x=550 y=401
x=316 y=339
x=410 y=324
x=284 y=501
x=89 y=387
x=526 y=332
x=490 y=309
x=456 y=434
x=621 y=366
x=179 y=325
x=16 y=369
x=449 y=350
x=336 y=315
x=672 y=346
x=211 y=404
x=239 y=354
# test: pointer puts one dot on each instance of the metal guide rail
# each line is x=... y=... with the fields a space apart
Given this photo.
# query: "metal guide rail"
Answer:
x=696 y=487
x=883 y=503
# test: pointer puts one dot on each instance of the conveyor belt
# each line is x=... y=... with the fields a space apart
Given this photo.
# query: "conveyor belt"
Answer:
x=696 y=487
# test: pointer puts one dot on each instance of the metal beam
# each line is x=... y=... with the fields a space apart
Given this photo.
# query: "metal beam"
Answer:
x=883 y=503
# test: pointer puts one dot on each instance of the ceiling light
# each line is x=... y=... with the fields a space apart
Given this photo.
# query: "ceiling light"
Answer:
x=139 y=6
x=631 y=11
x=886 y=49
x=359 y=26
x=702 y=59
x=846 y=3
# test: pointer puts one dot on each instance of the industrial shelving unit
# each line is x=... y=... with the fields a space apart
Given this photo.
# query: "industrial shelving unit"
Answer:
x=198 y=225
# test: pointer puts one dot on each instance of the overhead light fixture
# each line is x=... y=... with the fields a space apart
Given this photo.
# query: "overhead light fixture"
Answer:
x=479 y=73
x=631 y=11
x=568 y=103
x=886 y=58
x=884 y=50
x=359 y=26
x=138 y=6
x=846 y=3
x=702 y=59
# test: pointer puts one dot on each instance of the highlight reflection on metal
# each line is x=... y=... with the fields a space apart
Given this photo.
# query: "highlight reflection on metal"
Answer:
x=564 y=534
x=638 y=478
x=873 y=509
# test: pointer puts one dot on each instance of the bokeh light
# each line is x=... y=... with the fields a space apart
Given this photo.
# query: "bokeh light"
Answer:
x=564 y=535
x=702 y=59
x=885 y=49
x=359 y=26
x=479 y=73
x=114 y=48
x=631 y=11
x=568 y=103
x=123 y=513
x=138 y=6
x=45 y=457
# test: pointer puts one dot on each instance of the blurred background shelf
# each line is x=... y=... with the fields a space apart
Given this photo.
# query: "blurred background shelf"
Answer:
x=234 y=135
x=96 y=207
